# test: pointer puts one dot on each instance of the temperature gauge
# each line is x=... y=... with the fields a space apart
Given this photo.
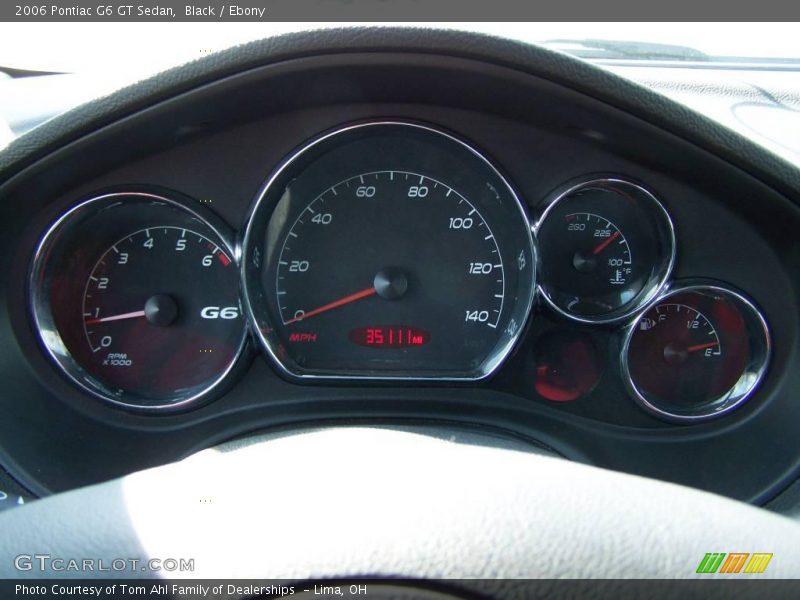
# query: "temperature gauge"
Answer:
x=601 y=249
x=607 y=247
x=697 y=353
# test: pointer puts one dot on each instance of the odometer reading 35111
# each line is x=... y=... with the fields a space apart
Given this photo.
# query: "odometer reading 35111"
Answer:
x=427 y=259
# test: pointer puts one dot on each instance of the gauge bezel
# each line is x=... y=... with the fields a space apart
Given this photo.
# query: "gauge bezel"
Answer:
x=295 y=373
x=655 y=284
x=44 y=324
x=748 y=382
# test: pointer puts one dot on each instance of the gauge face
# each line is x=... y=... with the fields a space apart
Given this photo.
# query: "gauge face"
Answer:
x=463 y=287
x=388 y=251
x=698 y=352
x=144 y=311
x=607 y=247
x=157 y=314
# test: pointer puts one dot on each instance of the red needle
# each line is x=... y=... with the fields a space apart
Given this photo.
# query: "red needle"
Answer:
x=130 y=315
x=371 y=291
x=702 y=346
x=605 y=244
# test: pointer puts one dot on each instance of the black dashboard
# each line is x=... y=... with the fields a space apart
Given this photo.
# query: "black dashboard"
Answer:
x=387 y=234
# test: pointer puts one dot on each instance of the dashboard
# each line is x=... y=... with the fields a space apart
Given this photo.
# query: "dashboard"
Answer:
x=406 y=237
x=417 y=263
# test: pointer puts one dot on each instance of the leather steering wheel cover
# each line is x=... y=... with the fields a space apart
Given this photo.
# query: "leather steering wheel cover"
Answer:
x=347 y=502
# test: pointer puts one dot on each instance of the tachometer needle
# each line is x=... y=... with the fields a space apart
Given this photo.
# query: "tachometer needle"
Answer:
x=702 y=346
x=371 y=291
x=130 y=315
x=606 y=243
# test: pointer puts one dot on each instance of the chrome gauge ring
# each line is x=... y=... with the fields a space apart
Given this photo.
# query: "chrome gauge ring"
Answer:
x=698 y=352
x=388 y=250
x=607 y=247
x=135 y=296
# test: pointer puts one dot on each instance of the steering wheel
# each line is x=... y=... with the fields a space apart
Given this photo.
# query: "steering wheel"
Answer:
x=428 y=503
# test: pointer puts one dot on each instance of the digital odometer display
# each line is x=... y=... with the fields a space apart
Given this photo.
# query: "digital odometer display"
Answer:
x=390 y=336
x=388 y=224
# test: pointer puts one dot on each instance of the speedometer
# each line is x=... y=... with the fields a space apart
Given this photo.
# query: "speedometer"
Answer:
x=332 y=223
x=388 y=250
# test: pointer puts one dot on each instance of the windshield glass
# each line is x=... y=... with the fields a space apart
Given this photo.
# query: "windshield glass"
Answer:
x=699 y=64
x=131 y=50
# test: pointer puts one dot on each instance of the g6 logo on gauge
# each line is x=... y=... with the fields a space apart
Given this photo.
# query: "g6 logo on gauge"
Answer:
x=215 y=312
x=392 y=251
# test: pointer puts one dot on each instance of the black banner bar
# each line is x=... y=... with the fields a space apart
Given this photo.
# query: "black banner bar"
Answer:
x=372 y=11
x=713 y=588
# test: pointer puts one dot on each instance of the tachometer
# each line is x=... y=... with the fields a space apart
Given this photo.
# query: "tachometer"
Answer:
x=136 y=298
x=388 y=250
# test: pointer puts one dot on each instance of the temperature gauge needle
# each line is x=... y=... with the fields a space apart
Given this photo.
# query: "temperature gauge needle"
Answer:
x=130 y=315
x=606 y=243
x=371 y=291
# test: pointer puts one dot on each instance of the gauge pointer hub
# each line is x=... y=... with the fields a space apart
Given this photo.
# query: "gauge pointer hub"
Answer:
x=160 y=310
x=391 y=283
x=584 y=263
x=676 y=353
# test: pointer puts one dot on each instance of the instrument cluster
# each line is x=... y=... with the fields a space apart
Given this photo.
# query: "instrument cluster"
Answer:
x=390 y=251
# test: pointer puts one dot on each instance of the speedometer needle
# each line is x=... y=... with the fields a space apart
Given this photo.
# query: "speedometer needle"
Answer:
x=130 y=315
x=366 y=293
x=605 y=244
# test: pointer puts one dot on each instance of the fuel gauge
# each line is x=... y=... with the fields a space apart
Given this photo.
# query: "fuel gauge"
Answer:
x=700 y=351
x=607 y=247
